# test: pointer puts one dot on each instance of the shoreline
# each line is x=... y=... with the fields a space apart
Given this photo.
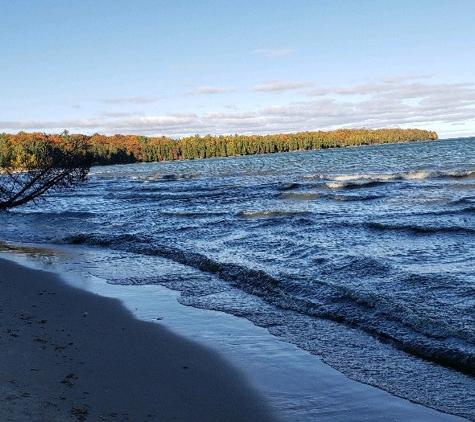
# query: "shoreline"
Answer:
x=283 y=379
x=68 y=354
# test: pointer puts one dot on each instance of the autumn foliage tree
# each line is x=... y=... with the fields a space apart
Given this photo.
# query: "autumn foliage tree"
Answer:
x=33 y=164
x=123 y=149
x=66 y=158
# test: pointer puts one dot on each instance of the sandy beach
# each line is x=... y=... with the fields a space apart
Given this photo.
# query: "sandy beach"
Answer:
x=67 y=354
x=74 y=354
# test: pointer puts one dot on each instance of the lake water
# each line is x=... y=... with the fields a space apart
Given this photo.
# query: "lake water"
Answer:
x=363 y=256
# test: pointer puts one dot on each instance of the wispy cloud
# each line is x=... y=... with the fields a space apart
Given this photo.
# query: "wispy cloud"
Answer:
x=120 y=114
x=407 y=102
x=400 y=91
x=130 y=100
x=381 y=85
x=280 y=86
x=391 y=80
x=272 y=53
x=210 y=90
x=168 y=124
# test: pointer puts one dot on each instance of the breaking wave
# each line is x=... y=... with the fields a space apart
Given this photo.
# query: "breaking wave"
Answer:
x=419 y=229
x=371 y=311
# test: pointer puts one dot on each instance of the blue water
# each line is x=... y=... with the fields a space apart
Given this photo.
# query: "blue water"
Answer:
x=362 y=256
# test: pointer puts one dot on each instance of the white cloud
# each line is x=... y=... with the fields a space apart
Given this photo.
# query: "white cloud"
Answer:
x=391 y=80
x=407 y=102
x=210 y=90
x=131 y=100
x=280 y=86
x=120 y=114
x=402 y=90
x=273 y=53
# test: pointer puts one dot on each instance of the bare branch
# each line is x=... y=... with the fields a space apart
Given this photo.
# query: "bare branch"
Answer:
x=44 y=165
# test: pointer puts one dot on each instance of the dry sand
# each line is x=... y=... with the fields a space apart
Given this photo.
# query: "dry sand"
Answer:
x=67 y=354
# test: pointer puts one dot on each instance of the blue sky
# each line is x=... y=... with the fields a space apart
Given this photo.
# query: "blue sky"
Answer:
x=185 y=67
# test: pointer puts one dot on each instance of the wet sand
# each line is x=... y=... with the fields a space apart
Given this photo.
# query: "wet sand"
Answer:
x=73 y=354
x=67 y=354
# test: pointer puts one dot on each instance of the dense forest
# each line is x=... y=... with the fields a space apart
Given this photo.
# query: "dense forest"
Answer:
x=16 y=149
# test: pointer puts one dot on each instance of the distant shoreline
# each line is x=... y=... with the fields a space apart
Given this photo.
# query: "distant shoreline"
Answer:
x=127 y=149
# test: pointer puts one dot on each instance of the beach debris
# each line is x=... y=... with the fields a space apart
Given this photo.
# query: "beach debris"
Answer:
x=62 y=348
x=12 y=333
x=67 y=380
x=25 y=317
x=79 y=413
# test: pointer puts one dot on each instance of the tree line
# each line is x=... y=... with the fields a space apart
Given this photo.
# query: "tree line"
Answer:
x=31 y=164
x=19 y=150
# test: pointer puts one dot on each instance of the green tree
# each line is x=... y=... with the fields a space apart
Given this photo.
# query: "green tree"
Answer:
x=54 y=163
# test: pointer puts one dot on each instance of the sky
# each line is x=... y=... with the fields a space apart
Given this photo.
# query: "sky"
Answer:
x=185 y=67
